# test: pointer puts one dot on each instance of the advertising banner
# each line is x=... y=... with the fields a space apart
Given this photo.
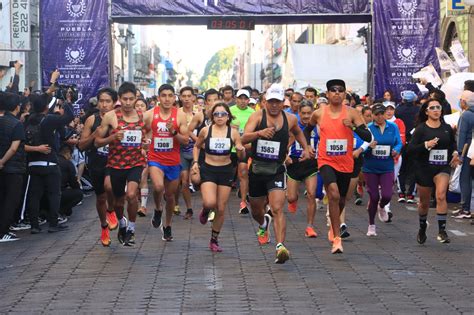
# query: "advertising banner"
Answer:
x=20 y=24
x=405 y=37
x=75 y=40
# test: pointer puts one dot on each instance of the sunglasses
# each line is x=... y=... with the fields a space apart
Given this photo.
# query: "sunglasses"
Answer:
x=220 y=114
x=336 y=89
x=434 y=107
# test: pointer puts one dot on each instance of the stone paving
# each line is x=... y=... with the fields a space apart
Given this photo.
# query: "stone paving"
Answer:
x=71 y=272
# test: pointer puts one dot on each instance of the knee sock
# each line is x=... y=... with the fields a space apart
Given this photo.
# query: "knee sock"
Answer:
x=144 y=196
x=441 y=221
x=214 y=236
x=423 y=222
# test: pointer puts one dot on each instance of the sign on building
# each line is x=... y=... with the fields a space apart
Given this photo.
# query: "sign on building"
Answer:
x=456 y=7
x=20 y=24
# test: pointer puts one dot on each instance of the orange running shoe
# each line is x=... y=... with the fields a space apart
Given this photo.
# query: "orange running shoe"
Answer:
x=310 y=232
x=292 y=206
x=330 y=235
x=105 y=237
x=112 y=220
x=337 y=246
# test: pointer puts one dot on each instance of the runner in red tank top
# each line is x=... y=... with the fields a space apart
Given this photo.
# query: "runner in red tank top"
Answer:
x=123 y=130
x=335 y=161
x=168 y=129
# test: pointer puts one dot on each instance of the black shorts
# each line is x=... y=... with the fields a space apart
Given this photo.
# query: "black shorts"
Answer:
x=424 y=174
x=260 y=185
x=357 y=166
x=97 y=178
x=235 y=159
x=219 y=175
x=120 y=177
x=299 y=171
x=330 y=175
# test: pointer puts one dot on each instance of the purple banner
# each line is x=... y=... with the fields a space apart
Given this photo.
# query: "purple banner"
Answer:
x=405 y=36
x=140 y=8
x=75 y=40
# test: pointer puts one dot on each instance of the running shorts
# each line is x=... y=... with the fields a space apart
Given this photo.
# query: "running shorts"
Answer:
x=171 y=172
x=261 y=185
x=120 y=177
x=219 y=175
x=299 y=171
x=330 y=176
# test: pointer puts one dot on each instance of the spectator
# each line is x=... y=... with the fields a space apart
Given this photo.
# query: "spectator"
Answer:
x=71 y=193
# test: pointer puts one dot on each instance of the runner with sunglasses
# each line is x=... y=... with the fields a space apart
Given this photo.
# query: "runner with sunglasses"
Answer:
x=434 y=147
x=217 y=172
x=335 y=159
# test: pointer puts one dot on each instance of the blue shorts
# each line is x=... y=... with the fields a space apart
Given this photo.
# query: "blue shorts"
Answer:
x=171 y=172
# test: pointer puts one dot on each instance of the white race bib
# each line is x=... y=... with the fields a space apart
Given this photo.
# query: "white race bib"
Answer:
x=381 y=151
x=438 y=157
x=132 y=138
x=268 y=149
x=103 y=151
x=219 y=145
x=162 y=144
x=336 y=147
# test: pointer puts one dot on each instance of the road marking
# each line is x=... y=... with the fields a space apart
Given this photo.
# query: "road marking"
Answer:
x=212 y=278
x=457 y=233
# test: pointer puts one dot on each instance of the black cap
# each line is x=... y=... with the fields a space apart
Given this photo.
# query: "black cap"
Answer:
x=335 y=82
x=469 y=85
x=378 y=109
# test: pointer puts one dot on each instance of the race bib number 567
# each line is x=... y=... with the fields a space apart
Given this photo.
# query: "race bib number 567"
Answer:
x=132 y=138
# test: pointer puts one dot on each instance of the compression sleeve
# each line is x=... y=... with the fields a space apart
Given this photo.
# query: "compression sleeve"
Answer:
x=364 y=133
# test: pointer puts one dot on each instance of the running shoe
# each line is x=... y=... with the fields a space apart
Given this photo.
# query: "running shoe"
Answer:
x=410 y=199
x=282 y=255
x=382 y=214
x=156 y=219
x=360 y=190
x=330 y=235
x=344 y=233
x=112 y=221
x=421 y=237
x=166 y=234
x=310 y=232
x=337 y=246
x=462 y=215
x=390 y=216
x=192 y=189
x=371 y=230
x=129 y=239
x=62 y=219
x=401 y=198
x=456 y=212
x=214 y=246
x=121 y=235
x=188 y=215
x=105 y=236
x=263 y=234
x=443 y=237
x=142 y=212
x=21 y=226
x=9 y=237
x=42 y=221
x=243 y=208
x=176 y=210
x=203 y=216
x=292 y=206
x=211 y=216
x=358 y=201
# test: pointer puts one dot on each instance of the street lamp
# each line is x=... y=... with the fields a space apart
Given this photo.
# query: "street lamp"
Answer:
x=127 y=39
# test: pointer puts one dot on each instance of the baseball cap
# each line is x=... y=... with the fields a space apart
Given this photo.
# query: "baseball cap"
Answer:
x=378 y=109
x=252 y=101
x=408 y=95
x=275 y=91
x=389 y=103
x=321 y=100
x=334 y=82
x=243 y=92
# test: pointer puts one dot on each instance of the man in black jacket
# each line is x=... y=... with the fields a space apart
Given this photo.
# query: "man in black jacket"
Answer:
x=12 y=162
x=44 y=170
x=71 y=193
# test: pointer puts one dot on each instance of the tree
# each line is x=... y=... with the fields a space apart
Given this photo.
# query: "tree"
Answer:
x=220 y=61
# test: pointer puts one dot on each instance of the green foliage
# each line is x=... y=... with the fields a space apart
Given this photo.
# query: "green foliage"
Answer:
x=220 y=61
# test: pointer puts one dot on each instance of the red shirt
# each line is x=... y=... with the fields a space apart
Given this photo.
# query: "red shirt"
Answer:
x=164 y=148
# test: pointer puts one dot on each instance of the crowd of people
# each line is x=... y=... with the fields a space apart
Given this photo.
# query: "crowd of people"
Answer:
x=261 y=144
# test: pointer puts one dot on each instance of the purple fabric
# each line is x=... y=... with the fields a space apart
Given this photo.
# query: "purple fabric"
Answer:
x=75 y=40
x=406 y=33
x=379 y=188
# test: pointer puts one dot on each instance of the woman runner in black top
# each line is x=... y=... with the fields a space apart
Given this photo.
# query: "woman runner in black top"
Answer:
x=216 y=171
x=434 y=148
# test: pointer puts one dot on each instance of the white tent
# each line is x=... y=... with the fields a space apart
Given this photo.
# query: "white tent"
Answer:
x=313 y=65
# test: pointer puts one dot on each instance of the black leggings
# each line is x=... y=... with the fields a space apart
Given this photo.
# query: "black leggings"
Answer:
x=10 y=196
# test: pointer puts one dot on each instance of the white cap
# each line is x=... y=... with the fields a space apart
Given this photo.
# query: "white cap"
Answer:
x=243 y=92
x=389 y=103
x=252 y=101
x=275 y=91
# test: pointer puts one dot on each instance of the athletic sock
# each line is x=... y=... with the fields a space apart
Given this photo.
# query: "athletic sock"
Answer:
x=423 y=221
x=190 y=210
x=214 y=236
x=441 y=221
x=264 y=225
x=131 y=226
x=144 y=196
x=122 y=222
x=279 y=245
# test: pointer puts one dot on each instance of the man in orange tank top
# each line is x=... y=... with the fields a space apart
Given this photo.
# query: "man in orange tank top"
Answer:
x=123 y=130
x=168 y=129
x=335 y=161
